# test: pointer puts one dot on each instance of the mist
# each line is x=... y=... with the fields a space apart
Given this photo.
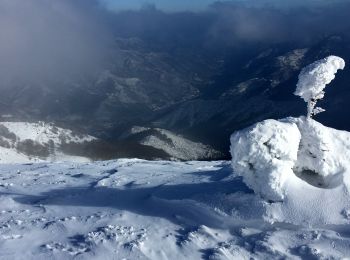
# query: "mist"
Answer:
x=236 y=23
x=269 y=24
x=44 y=39
x=56 y=40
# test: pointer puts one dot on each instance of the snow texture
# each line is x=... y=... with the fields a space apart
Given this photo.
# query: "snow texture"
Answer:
x=288 y=198
x=299 y=163
x=314 y=78
x=135 y=209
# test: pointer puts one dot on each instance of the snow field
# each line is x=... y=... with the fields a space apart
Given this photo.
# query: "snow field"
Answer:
x=134 y=209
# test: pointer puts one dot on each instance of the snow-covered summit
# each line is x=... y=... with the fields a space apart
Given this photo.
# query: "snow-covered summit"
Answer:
x=136 y=209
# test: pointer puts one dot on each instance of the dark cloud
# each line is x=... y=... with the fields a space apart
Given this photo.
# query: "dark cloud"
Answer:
x=235 y=23
x=57 y=39
x=267 y=24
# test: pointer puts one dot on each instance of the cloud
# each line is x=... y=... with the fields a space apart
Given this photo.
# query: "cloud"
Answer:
x=197 y=5
x=267 y=24
x=235 y=23
x=49 y=39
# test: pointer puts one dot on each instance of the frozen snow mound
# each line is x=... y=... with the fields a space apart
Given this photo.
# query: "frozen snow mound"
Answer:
x=264 y=155
x=323 y=155
x=298 y=162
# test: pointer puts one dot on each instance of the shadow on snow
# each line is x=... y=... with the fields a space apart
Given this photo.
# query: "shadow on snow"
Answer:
x=182 y=204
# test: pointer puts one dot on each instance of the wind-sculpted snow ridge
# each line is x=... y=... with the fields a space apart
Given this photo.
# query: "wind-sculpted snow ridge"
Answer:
x=298 y=164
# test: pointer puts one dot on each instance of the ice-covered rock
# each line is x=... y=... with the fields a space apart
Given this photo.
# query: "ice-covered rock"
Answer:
x=272 y=154
x=298 y=164
x=323 y=155
x=265 y=154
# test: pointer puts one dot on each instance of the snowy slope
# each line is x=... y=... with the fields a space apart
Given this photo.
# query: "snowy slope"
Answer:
x=134 y=209
x=176 y=146
x=12 y=156
x=22 y=142
x=43 y=132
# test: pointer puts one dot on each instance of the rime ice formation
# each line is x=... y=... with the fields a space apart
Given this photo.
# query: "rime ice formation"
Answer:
x=324 y=153
x=314 y=78
x=298 y=162
x=265 y=155
x=271 y=153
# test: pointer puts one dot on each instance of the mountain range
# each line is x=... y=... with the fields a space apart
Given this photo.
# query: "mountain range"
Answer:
x=200 y=95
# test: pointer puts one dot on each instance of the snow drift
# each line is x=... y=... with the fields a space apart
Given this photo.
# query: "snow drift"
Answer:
x=298 y=162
